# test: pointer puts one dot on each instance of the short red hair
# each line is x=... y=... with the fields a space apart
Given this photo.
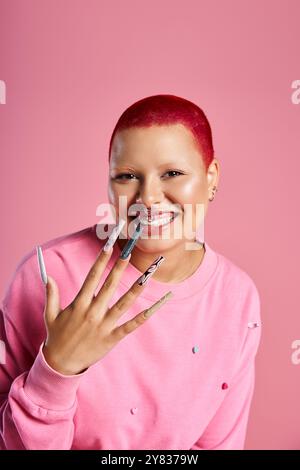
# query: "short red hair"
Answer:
x=165 y=110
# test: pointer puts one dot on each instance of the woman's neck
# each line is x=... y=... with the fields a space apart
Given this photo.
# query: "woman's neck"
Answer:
x=179 y=263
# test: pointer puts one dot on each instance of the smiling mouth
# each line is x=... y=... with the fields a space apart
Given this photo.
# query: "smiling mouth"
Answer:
x=157 y=220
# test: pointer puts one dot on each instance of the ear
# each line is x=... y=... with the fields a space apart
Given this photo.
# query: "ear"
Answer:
x=213 y=174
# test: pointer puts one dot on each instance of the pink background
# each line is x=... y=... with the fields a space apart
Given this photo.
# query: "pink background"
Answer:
x=72 y=67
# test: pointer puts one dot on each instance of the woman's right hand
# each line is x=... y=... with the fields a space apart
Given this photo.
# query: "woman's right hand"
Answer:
x=85 y=330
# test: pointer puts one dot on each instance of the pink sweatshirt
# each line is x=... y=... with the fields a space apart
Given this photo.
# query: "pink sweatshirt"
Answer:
x=183 y=380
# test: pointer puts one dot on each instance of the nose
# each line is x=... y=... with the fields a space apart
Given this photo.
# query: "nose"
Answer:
x=150 y=193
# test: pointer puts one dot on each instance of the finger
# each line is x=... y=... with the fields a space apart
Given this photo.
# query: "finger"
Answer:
x=52 y=306
x=125 y=302
x=131 y=325
x=110 y=284
x=114 y=235
x=93 y=277
x=86 y=292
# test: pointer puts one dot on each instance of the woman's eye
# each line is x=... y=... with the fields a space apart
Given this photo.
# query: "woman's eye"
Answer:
x=130 y=176
x=174 y=171
x=124 y=176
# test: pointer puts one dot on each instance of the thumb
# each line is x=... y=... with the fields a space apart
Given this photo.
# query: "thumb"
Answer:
x=52 y=306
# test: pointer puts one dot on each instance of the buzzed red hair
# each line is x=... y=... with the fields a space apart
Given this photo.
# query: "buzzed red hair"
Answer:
x=168 y=109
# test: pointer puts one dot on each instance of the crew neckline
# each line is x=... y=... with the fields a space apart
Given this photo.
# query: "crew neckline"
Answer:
x=181 y=290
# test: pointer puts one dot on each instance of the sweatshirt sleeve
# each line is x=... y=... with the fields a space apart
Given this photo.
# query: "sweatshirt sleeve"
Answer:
x=37 y=404
x=227 y=429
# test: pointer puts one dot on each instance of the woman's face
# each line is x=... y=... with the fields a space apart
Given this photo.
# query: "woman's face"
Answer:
x=161 y=168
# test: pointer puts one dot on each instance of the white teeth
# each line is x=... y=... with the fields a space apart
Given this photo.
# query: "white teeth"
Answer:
x=157 y=222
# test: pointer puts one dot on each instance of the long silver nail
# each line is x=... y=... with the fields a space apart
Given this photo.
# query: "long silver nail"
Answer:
x=41 y=263
x=157 y=304
x=150 y=271
x=114 y=235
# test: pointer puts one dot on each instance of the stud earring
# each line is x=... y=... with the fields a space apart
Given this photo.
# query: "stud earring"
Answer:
x=214 y=189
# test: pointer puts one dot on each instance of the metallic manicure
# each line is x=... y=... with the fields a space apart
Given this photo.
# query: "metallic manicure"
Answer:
x=131 y=242
x=150 y=271
x=157 y=305
x=41 y=263
x=114 y=235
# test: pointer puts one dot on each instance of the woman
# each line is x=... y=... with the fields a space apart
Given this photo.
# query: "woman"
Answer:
x=89 y=366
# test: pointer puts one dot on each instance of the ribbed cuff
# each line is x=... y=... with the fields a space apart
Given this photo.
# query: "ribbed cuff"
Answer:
x=48 y=388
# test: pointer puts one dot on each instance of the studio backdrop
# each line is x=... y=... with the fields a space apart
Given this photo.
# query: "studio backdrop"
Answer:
x=68 y=69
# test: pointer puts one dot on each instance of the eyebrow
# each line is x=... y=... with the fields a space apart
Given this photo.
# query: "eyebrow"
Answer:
x=168 y=164
x=124 y=168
